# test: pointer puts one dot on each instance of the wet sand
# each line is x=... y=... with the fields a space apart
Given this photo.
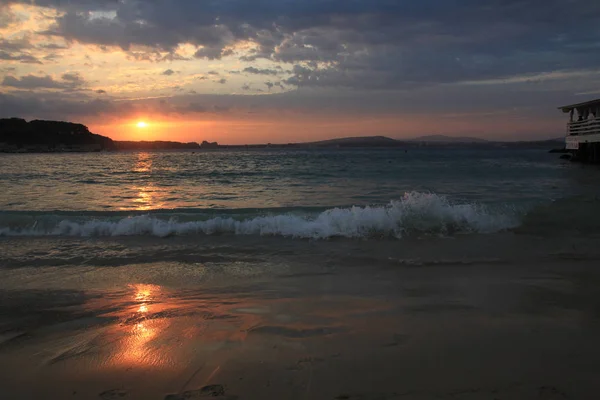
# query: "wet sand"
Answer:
x=348 y=321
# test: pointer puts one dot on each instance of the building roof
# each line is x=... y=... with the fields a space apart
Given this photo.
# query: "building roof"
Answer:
x=584 y=104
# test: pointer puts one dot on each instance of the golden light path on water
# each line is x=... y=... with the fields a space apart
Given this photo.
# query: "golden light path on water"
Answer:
x=136 y=348
x=146 y=197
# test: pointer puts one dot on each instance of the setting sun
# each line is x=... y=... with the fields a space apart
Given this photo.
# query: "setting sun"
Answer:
x=141 y=124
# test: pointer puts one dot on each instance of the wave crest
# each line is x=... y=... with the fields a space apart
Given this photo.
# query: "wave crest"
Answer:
x=415 y=213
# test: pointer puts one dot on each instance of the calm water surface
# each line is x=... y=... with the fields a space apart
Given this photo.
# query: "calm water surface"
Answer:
x=273 y=178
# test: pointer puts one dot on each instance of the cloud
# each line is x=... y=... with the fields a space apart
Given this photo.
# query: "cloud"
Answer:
x=154 y=56
x=213 y=53
x=7 y=17
x=15 y=45
x=426 y=105
x=74 y=78
x=48 y=105
x=168 y=72
x=349 y=56
x=198 y=108
x=222 y=81
x=192 y=108
x=21 y=57
x=359 y=44
x=253 y=70
x=178 y=106
x=70 y=81
x=101 y=91
x=53 y=46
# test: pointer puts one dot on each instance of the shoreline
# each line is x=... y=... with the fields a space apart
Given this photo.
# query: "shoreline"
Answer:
x=462 y=318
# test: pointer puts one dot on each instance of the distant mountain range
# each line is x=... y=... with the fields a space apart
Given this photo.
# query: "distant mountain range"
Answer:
x=448 y=139
x=430 y=140
x=370 y=141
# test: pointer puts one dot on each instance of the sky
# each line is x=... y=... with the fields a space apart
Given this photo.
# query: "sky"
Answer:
x=279 y=71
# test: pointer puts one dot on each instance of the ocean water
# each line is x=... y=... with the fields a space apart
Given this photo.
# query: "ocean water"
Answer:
x=317 y=194
x=271 y=272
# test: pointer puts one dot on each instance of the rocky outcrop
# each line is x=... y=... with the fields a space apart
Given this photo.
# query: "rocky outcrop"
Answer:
x=209 y=145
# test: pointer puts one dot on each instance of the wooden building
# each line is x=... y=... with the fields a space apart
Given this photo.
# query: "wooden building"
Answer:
x=583 y=130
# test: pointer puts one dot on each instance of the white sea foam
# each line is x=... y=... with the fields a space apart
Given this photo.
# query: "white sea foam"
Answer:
x=419 y=213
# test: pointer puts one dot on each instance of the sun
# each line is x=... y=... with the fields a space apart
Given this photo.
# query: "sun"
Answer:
x=141 y=124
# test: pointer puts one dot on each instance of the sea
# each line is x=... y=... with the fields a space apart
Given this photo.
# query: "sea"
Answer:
x=65 y=209
x=299 y=273
x=364 y=194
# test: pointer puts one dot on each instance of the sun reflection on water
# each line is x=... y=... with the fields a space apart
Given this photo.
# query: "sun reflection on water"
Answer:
x=145 y=293
x=137 y=348
x=158 y=329
x=147 y=198
x=143 y=163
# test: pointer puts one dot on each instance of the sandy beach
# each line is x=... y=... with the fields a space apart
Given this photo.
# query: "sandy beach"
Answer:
x=463 y=318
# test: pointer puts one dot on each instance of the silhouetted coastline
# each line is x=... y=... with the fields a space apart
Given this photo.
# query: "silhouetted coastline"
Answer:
x=37 y=136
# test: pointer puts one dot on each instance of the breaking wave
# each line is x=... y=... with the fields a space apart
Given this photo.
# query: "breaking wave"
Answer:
x=415 y=214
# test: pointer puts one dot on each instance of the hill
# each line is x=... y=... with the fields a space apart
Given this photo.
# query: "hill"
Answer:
x=20 y=136
x=448 y=139
x=360 y=141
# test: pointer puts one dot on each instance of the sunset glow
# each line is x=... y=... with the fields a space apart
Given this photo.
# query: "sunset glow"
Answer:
x=284 y=77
